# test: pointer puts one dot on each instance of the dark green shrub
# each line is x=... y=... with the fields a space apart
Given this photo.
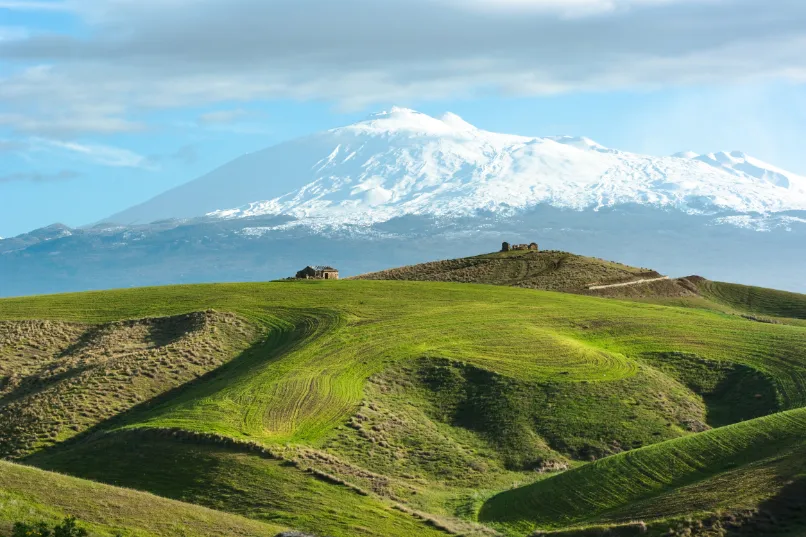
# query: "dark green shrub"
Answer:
x=68 y=528
x=31 y=530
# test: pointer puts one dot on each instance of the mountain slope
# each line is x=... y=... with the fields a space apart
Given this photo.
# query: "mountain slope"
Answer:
x=401 y=188
x=403 y=162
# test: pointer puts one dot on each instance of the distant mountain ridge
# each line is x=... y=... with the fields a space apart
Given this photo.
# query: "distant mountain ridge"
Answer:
x=402 y=162
x=402 y=188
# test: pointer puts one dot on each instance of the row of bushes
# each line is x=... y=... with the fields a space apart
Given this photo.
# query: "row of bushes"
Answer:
x=67 y=528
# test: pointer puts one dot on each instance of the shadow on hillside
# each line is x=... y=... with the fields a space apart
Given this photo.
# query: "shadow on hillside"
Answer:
x=742 y=394
x=277 y=342
x=731 y=392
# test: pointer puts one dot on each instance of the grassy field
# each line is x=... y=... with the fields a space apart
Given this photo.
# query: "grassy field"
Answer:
x=230 y=479
x=562 y=271
x=394 y=407
x=619 y=483
x=32 y=495
x=754 y=300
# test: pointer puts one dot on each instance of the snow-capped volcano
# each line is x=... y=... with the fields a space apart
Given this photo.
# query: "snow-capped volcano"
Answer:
x=403 y=162
x=333 y=198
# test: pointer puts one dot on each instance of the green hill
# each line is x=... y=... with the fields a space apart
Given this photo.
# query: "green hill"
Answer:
x=381 y=408
x=31 y=495
x=664 y=480
x=62 y=378
x=751 y=300
x=547 y=270
x=570 y=273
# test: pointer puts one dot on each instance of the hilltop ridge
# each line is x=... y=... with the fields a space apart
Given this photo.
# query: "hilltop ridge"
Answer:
x=548 y=270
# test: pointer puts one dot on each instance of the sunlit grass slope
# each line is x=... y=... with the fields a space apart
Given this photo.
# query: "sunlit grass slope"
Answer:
x=32 y=495
x=670 y=472
x=417 y=393
x=326 y=339
x=755 y=300
x=233 y=480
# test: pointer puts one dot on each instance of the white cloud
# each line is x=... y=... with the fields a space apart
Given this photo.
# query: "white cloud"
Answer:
x=570 y=8
x=151 y=54
x=97 y=154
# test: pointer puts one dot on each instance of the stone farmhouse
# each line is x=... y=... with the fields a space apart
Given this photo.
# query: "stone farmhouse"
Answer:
x=318 y=272
x=506 y=247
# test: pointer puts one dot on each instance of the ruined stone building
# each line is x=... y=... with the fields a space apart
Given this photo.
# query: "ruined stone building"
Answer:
x=506 y=247
x=318 y=272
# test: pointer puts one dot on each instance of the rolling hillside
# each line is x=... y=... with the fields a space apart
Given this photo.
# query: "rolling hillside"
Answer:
x=751 y=300
x=662 y=476
x=397 y=408
x=546 y=270
x=571 y=273
x=31 y=495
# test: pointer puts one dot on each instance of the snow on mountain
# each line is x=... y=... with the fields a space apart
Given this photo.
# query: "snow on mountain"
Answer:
x=402 y=162
x=741 y=164
x=686 y=154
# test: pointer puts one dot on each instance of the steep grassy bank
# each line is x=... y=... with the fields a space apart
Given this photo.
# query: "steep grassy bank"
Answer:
x=58 y=379
x=659 y=480
x=227 y=478
x=32 y=495
x=748 y=299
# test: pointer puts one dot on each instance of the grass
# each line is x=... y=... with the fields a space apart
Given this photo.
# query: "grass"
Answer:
x=426 y=395
x=32 y=495
x=570 y=273
x=724 y=386
x=447 y=421
x=228 y=479
x=619 y=483
x=548 y=270
x=753 y=300
x=331 y=337
x=59 y=379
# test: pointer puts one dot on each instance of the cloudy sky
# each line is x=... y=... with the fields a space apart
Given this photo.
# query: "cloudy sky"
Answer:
x=105 y=103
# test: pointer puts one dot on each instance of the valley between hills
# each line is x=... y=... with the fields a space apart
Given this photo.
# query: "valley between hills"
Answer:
x=512 y=394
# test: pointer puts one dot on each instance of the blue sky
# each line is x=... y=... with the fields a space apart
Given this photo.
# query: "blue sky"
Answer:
x=105 y=103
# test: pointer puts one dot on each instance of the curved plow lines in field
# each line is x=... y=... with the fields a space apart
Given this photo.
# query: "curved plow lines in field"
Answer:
x=324 y=340
x=309 y=375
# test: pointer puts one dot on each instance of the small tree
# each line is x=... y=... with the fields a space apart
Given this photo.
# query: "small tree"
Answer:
x=68 y=528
